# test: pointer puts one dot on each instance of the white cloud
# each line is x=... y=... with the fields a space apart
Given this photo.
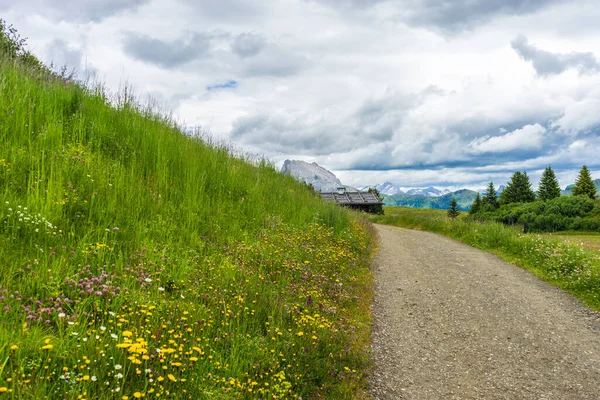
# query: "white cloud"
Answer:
x=528 y=137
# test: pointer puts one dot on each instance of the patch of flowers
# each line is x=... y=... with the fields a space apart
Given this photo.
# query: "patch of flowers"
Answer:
x=244 y=325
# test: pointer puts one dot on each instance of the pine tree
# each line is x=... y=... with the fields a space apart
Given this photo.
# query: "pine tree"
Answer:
x=518 y=190
x=584 y=185
x=476 y=206
x=490 y=200
x=549 y=187
x=453 y=210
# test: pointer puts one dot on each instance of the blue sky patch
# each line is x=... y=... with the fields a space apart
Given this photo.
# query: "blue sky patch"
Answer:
x=231 y=84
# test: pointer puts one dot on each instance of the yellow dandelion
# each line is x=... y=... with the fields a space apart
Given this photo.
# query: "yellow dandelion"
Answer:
x=127 y=333
x=172 y=377
x=3 y=389
x=14 y=347
x=137 y=395
x=47 y=347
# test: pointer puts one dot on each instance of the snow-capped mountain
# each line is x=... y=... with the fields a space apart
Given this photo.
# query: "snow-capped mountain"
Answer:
x=427 y=192
x=320 y=178
x=387 y=188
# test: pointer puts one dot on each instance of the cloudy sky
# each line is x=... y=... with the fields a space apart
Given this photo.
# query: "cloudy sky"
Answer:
x=450 y=93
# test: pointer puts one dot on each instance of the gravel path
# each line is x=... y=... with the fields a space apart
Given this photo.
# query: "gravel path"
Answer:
x=454 y=322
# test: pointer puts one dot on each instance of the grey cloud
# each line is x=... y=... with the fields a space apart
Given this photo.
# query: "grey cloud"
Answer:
x=248 y=44
x=60 y=54
x=458 y=15
x=274 y=61
x=227 y=10
x=370 y=128
x=444 y=15
x=167 y=54
x=546 y=63
x=74 y=10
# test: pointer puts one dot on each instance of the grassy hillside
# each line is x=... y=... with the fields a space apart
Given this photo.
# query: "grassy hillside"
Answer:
x=136 y=261
x=571 y=264
x=464 y=198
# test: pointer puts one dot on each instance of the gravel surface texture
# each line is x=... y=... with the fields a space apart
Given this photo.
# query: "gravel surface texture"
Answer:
x=454 y=322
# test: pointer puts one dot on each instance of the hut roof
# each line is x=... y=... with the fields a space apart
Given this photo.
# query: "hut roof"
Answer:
x=351 y=198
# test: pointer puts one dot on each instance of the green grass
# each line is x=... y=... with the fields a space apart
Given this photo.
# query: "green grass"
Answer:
x=136 y=260
x=572 y=266
x=588 y=239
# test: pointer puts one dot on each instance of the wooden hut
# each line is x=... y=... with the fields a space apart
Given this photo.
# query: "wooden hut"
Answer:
x=363 y=201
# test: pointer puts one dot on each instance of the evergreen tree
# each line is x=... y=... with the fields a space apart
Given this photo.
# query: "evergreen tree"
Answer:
x=549 y=187
x=453 y=210
x=490 y=200
x=518 y=190
x=584 y=185
x=476 y=206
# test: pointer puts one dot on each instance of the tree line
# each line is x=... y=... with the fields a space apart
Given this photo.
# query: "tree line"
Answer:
x=519 y=190
x=546 y=211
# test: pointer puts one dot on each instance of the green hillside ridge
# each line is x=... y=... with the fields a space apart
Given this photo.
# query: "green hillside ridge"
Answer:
x=569 y=189
x=139 y=261
x=464 y=198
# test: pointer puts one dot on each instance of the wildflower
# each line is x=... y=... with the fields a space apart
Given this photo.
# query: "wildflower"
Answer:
x=14 y=347
x=119 y=375
x=172 y=377
x=148 y=280
x=61 y=315
x=47 y=347
x=137 y=395
x=3 y=389
x=112 y=335
x=118 y=366
x=86 y=378
x=102 y=328
x=127 y=333
x=94 y=379
x=116 y=228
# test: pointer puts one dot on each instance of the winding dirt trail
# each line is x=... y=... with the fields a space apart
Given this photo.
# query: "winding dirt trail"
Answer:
x=454 y=322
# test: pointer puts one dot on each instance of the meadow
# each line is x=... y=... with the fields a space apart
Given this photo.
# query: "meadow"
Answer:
x=138 y=261
x=569 y=260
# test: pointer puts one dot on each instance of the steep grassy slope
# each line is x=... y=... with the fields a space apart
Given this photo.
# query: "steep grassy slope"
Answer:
x=137 y=261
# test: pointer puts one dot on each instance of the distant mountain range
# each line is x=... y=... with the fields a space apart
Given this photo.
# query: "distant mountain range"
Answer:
x=464 y=199
x=389 y=189
x=324 y=180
